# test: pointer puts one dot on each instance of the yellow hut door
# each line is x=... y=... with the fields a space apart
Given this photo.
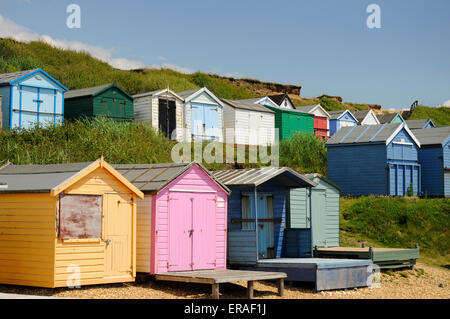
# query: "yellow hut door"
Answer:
x=118 y=217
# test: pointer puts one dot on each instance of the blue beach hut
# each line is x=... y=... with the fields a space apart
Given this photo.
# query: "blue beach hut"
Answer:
x=375 y=160
x=29 y=98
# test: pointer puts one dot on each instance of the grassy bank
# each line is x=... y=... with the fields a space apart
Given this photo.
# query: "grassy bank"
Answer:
x=135 y=142
x=398 y=222
x=439 y=115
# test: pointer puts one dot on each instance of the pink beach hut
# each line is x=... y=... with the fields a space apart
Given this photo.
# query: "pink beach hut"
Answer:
x=182 y=220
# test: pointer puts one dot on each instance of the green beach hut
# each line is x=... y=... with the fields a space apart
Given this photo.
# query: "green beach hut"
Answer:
x=108 y=100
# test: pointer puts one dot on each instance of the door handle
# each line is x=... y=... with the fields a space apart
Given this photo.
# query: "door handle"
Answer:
x=261 y=225
x=107 y=241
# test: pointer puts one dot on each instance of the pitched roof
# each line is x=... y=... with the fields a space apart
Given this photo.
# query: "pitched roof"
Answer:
x=432 y=136
x=86 y=91
x=9 y=78
x=50 y=178
x=258 y=100
x=416 y=124
x=92 y=91
x=361 y=115
x=186 y=94
x=306 y=108
x=316 y=176
x=151 y=178
x=371 y=134
x=278 y=98
x=311 y=108
x=247 y=106
x=257 y=176
x=158 y=92
x=334 y=115
x=189 y=95
x=386 y=117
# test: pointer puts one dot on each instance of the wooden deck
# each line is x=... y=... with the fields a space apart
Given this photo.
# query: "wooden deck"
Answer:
x=385 y=258
x=325 y=273
x=218 y=276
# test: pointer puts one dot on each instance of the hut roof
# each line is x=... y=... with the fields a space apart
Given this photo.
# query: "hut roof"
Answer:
x=335 y=115
x=417 y=124
x=257 y=176
x=151 y=178
x=158 y=92
x=247 y=106
x=386 y=117
x=10 y=78
x=380 y=133
x=93 y=91
x=433 y=136
x=50 y=178
x=278 y=98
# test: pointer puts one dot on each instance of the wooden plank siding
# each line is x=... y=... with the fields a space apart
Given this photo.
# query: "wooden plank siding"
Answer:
x=146 y=109
x=88 y=254
x=279 y=212
x=143 y=234
x=241 y=247
x=297 y=243
x=198 y=181
x=27 y=234
x=430 y=159
x=367 y=175
x=78 y=108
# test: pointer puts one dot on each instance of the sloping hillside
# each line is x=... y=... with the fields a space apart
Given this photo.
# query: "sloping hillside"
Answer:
x=79 y=70
x=439 y=115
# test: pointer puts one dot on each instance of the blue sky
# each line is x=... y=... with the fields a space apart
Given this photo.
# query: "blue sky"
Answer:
x=325 y=46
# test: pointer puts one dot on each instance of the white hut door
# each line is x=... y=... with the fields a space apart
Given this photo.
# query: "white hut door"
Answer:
x=118 y=217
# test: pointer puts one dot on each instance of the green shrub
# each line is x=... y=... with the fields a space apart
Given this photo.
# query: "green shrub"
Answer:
x=331 y=104
x=305 y=153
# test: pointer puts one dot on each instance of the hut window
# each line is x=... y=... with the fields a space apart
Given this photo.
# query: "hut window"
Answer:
x=246 y=213
x=80 y=216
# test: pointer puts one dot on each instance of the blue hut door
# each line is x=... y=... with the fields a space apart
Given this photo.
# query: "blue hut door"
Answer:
x=211 y=122
x=204 y=122
x=266 y=245
x=198 y=122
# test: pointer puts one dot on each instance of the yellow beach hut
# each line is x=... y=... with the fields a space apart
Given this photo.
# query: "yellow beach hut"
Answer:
x=66 y=225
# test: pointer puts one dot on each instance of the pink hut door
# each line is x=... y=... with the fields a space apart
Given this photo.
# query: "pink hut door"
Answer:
x=204 y=236
x=180 y=232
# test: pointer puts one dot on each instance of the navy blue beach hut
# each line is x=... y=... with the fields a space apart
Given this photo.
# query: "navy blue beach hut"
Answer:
x=29 y=98
x=434 y=159
x=257 y=233
x=375 y=160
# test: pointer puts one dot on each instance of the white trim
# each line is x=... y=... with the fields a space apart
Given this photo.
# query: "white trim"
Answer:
x=191 y=191
x=3 y=186
x=203 y=89
x=403 y=143
x=157 y=93
x=403 y=125
x=373 y=115
x=268 y=98
x=347 y=111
